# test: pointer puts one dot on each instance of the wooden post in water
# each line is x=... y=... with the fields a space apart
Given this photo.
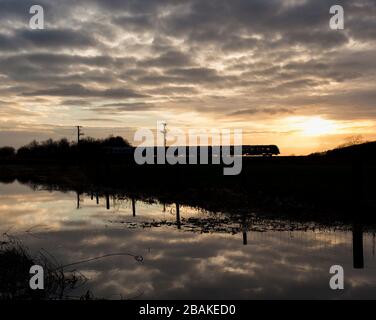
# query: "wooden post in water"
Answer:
x=178 y=216
x=358 y=256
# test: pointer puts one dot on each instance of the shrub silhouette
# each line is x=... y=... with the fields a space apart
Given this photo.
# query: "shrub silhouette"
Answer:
x=7 y=152
x=65 y=150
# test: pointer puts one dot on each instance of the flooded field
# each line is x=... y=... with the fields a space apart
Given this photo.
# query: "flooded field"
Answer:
x=125 y=248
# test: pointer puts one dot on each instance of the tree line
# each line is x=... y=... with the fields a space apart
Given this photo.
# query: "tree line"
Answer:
x=64 y=149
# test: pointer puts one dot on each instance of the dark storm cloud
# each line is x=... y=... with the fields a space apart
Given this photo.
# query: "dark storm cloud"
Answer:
x=183 y=76
x=45 y=39
x=134 y=6
x=137 y=23
x=77 y=90
x=19 y=9
x=38 y=68
x=101 y=120
x=55 y=38
x=269 y=111
x=248 y=52
x=124 y=107
x=221 y=23
x=167 y=59
x=7 y=43
x=75 y=102
x=173 y=90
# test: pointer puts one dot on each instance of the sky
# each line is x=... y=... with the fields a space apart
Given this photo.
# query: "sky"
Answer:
x=272 y=68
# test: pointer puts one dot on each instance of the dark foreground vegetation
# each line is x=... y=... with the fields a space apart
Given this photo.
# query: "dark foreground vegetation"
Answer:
x=61 y=282
x=15 y=264
x=338 y=184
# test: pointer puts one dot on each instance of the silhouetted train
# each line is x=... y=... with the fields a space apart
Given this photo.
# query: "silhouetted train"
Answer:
x=261 y=150
x=247 y=150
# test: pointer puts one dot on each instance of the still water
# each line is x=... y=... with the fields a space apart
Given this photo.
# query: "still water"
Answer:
x=187 y=253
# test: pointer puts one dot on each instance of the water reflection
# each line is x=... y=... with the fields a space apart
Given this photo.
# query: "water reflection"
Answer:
x=358 y=256
x=188 y=253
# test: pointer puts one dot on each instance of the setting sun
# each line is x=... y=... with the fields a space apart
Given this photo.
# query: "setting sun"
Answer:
x=314 y=126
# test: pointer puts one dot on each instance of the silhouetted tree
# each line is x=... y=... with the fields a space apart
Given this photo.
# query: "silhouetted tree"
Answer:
x=88 y=148
x=112 y=141
x=352 y=141
x=6 y=152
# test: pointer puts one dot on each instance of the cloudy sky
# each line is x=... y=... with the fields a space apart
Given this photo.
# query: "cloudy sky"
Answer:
x=271 y=67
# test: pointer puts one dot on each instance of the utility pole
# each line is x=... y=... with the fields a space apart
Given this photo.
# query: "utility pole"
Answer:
x=164 y=131
x=79 y=134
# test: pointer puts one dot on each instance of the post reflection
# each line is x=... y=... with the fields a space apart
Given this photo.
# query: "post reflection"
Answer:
x=357 y=228
x=107 y=201
x=133 y=207
x=357 y=240
x=244 y=230
x=78 y=200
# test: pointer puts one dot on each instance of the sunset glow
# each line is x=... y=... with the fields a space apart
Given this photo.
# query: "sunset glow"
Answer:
x=114 y=67
x=316 y=126
x=190 y=150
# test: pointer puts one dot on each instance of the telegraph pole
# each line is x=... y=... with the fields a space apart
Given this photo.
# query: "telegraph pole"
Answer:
x=161 y=150
x=79 y=134
x=164 y=131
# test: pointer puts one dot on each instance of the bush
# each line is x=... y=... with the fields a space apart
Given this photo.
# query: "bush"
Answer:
x=7 y=152
x=65 y=150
